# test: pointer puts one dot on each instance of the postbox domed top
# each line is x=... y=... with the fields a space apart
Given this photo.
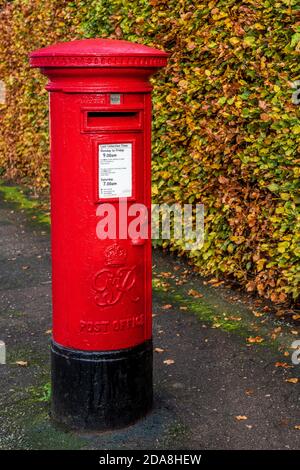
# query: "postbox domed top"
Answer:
x=98 y=53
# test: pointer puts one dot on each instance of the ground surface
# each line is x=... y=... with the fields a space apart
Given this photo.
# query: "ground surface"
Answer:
x=217 y=374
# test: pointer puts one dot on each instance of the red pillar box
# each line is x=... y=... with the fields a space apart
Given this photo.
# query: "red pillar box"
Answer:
x=100 y=122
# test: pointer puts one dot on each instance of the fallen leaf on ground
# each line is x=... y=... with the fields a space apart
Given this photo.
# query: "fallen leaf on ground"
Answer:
x=293 y=380
x=249 y=392
x=283 y=364
x=249 y=426
x=195 y=293
x=166 y=307
x=183 y=308
x=48 y=332
x=241 y=417
x=215 y=282
x=266 y=309
x=275 y=332
x=297 y=426
x=25 y=267
x=296 y=317
x=168 y=362
x=22 y=363
x=257 y=314
x=255 y=339
x=159 y=350
x=294 y=332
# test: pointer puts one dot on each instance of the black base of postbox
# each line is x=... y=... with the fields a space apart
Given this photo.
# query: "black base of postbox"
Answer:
x=101 y=391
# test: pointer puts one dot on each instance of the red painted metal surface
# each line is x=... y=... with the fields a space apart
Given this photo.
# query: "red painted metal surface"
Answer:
x=101 y=288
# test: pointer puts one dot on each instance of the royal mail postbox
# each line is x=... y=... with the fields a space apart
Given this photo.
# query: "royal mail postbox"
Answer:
x=100 y=126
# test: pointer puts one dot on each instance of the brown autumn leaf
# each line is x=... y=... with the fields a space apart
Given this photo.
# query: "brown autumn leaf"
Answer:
x=168 y=362
x=195 y=293
x=241 y=417
x=297 y=427
x=275 y=333
x=159 y=350
x=255 y=339
x=262 y=104
x=280 y=313
x=223 y=180
x=249 y=392
x=166 y=274
x=215 y=282
x=166 y=307
x=257 y=314
x=250 y=286
x=191 y=45
x=293 y=380
x=218 y=284
x=118 y=32
x=22 y=363
x=285 y=365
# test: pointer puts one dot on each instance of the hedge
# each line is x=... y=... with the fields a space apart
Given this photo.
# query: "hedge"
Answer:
x=225 y=133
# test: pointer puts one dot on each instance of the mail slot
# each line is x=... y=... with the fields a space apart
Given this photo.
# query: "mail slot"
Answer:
x=100 y=123
x=95 y=120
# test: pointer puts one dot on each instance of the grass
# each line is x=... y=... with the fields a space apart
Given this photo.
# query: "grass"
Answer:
x=36 y=210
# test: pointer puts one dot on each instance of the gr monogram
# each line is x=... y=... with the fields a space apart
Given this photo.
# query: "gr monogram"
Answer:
x=110 y=285
x=114 y=281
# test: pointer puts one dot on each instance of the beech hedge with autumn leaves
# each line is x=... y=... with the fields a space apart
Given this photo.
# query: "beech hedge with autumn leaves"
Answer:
x=225 y=133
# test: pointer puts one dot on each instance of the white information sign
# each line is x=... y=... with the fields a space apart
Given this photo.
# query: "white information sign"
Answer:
x=115 y=170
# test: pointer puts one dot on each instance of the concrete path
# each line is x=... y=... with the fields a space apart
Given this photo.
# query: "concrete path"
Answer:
x=223 y=390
